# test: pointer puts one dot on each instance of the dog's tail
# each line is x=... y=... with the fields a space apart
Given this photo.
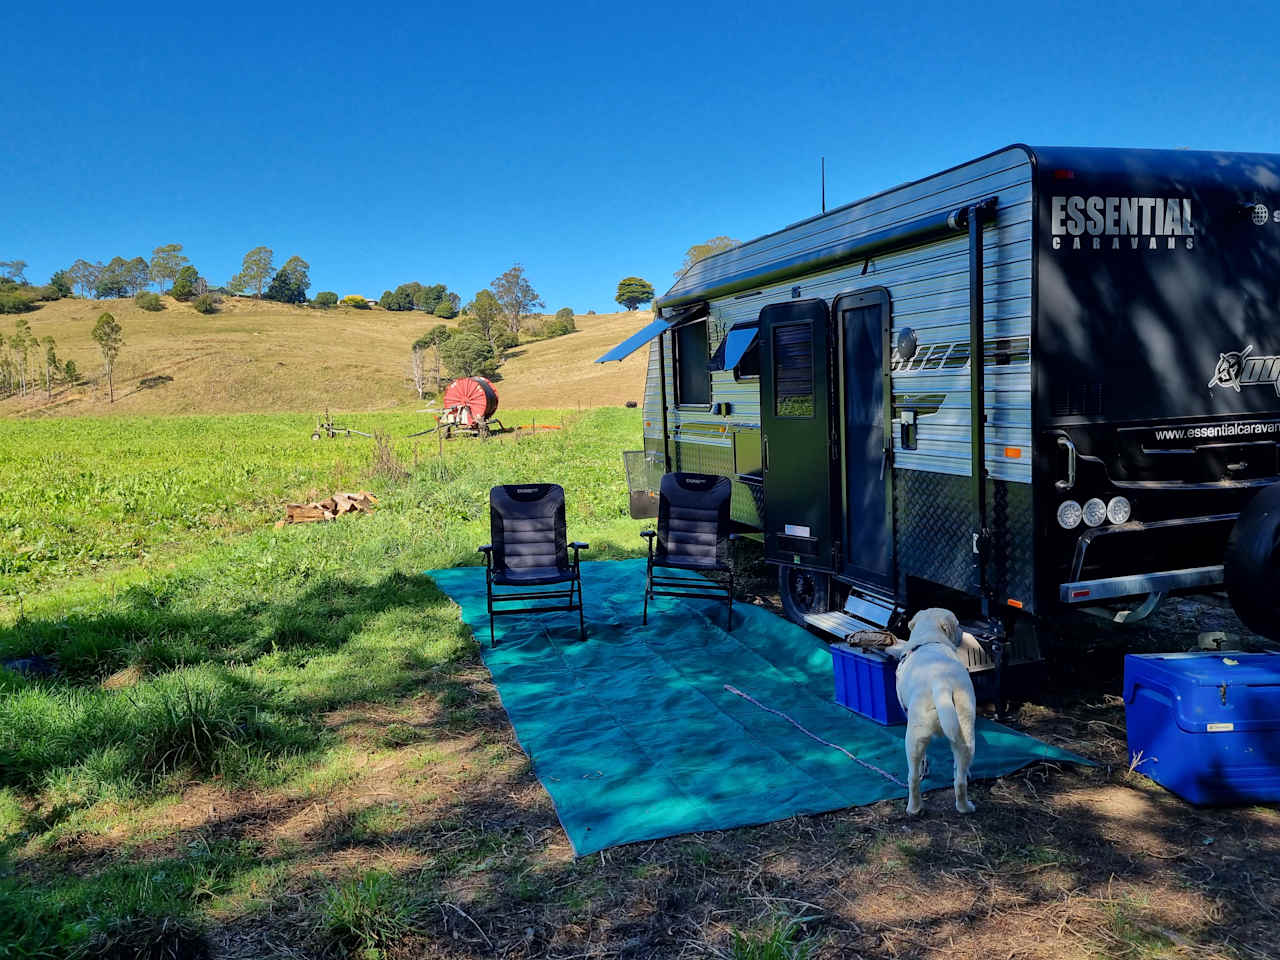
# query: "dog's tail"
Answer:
x=948 y=718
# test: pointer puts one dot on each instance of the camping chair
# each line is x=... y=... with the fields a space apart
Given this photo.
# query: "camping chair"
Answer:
x=528 y=549
x=693 y=534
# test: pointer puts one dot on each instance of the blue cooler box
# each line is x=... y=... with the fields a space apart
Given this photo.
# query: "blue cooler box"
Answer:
x=865 y=683
x=1207 y=724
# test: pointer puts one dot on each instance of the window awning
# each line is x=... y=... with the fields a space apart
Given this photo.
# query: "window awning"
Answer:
x=738 y=341
x=695 y=311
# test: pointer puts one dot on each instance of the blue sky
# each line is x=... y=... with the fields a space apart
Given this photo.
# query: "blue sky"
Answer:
x=442 y=143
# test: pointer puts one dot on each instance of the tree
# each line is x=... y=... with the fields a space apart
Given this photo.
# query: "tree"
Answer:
x=69 y=372
x=50 y=365
x=113 y=280
x=84 y=276
x=700 y=251
x=290 y=283
x=14 y=270
x=355 y=300
x=255 y=270
x=447 y=307
x=484 y=318
x=166 y=261
x=205 y=303
x=184 y=283
x=434 y=339
x=326 y=298
x=110 y=338
x=61 y=283
x=466 y=355
x=516 y=296
x=137 y=275
x=633 y=291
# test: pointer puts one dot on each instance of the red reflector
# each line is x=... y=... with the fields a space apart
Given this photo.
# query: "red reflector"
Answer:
x=1015 y=603
x=1013 y=453
x=1064 y=174
x=1077 y=594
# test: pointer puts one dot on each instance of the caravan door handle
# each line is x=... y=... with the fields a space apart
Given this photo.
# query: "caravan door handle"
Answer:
x=764 y=454
x=1065 y=442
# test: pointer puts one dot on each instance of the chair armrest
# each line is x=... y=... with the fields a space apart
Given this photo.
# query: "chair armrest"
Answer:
x=648 y=534
x=579 y=545
x=487 y=550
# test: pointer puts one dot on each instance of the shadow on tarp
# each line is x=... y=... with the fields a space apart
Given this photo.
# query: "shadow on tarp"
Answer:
x=635 y=737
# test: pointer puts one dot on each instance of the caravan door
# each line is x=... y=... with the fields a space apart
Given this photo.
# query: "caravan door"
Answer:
x=800 y=445
x=862 y=336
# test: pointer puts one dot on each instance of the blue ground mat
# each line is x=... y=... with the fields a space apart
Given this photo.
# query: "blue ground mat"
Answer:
x=635 y=736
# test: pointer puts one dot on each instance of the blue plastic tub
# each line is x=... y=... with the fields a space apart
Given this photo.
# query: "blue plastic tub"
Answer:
x=1206 y=725
x=865 y=683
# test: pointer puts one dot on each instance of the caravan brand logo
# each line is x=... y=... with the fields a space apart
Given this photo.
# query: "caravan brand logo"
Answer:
x=1122 y=223
x=1239 y=369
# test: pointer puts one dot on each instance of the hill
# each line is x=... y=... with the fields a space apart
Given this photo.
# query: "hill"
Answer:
x=271 y=357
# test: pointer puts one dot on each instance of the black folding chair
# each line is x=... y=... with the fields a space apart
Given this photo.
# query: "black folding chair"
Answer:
x=693 y=534
x=526 y=525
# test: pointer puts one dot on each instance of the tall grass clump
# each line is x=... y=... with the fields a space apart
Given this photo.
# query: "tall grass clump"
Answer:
x=364 y=915
x=782 y=940
x=87 y=743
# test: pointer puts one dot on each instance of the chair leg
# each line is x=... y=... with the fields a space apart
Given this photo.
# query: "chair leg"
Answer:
x=582 y=625
x=731 y=600
x=488 y=589
x=648 y=588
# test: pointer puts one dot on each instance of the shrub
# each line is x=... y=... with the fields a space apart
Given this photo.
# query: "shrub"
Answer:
x=565 y=314
x=16 y=301
x=205 y=303
x=70 y=372
x=47 y=293
x=326 y=298
x=355 y=300
x=148 y=301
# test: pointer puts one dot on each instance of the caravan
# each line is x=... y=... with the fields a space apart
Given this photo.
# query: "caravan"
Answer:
x=1046 y=378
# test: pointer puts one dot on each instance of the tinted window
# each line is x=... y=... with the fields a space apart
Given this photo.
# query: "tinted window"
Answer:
x=693 y=379
x=793 y=370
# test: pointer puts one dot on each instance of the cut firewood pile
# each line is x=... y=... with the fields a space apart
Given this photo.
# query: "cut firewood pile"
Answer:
x=328 y=509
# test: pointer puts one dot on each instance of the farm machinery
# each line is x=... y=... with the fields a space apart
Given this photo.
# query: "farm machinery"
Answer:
x=325 y=427
x=469 y=406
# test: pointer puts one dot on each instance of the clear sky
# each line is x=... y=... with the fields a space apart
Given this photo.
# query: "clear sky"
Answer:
x=442 y=143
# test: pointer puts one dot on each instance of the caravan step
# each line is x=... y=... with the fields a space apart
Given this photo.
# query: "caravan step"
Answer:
x=837 y=624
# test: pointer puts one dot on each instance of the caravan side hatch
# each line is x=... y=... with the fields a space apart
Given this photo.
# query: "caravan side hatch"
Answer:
x=800 y=446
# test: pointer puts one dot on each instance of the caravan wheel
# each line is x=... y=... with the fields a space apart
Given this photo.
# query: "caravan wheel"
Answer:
x=1252 y=563
x=802 y=592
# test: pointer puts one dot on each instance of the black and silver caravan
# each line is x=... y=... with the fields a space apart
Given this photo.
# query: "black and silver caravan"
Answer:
x=1124 y=417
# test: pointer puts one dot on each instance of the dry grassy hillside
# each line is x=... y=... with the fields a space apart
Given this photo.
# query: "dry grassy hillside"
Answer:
x=256 y=356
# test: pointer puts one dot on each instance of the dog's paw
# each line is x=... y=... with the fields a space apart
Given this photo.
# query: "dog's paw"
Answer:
x=966 y=807
x=913 y=809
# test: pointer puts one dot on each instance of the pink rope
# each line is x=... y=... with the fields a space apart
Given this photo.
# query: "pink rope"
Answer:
x=808 y=733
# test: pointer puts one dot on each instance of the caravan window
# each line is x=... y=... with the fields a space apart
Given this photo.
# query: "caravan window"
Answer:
x=793 y=370
x=693 y=375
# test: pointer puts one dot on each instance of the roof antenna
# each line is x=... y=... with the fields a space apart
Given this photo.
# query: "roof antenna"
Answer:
x=822 y=175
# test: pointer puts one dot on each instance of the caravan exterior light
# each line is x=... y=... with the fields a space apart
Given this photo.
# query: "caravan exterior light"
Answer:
x=1095 y=512
x=1069 y=514
x=1119 y=510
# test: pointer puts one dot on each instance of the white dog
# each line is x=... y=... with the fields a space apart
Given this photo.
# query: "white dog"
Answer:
x=935 y=689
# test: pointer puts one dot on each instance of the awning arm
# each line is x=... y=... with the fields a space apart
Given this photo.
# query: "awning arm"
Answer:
x=660 y=325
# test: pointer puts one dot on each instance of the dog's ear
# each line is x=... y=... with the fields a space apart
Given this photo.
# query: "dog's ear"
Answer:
x=951 y=626
x=911 y=624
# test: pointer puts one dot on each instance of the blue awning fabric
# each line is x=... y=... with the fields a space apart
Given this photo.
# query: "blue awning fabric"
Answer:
x=659 y=326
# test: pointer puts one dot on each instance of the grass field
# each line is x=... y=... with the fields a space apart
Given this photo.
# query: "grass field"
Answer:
x=273 y=357
x=268 y=742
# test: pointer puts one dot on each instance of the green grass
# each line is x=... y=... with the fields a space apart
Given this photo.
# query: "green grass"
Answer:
x=782 y=939
x=239 y=643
